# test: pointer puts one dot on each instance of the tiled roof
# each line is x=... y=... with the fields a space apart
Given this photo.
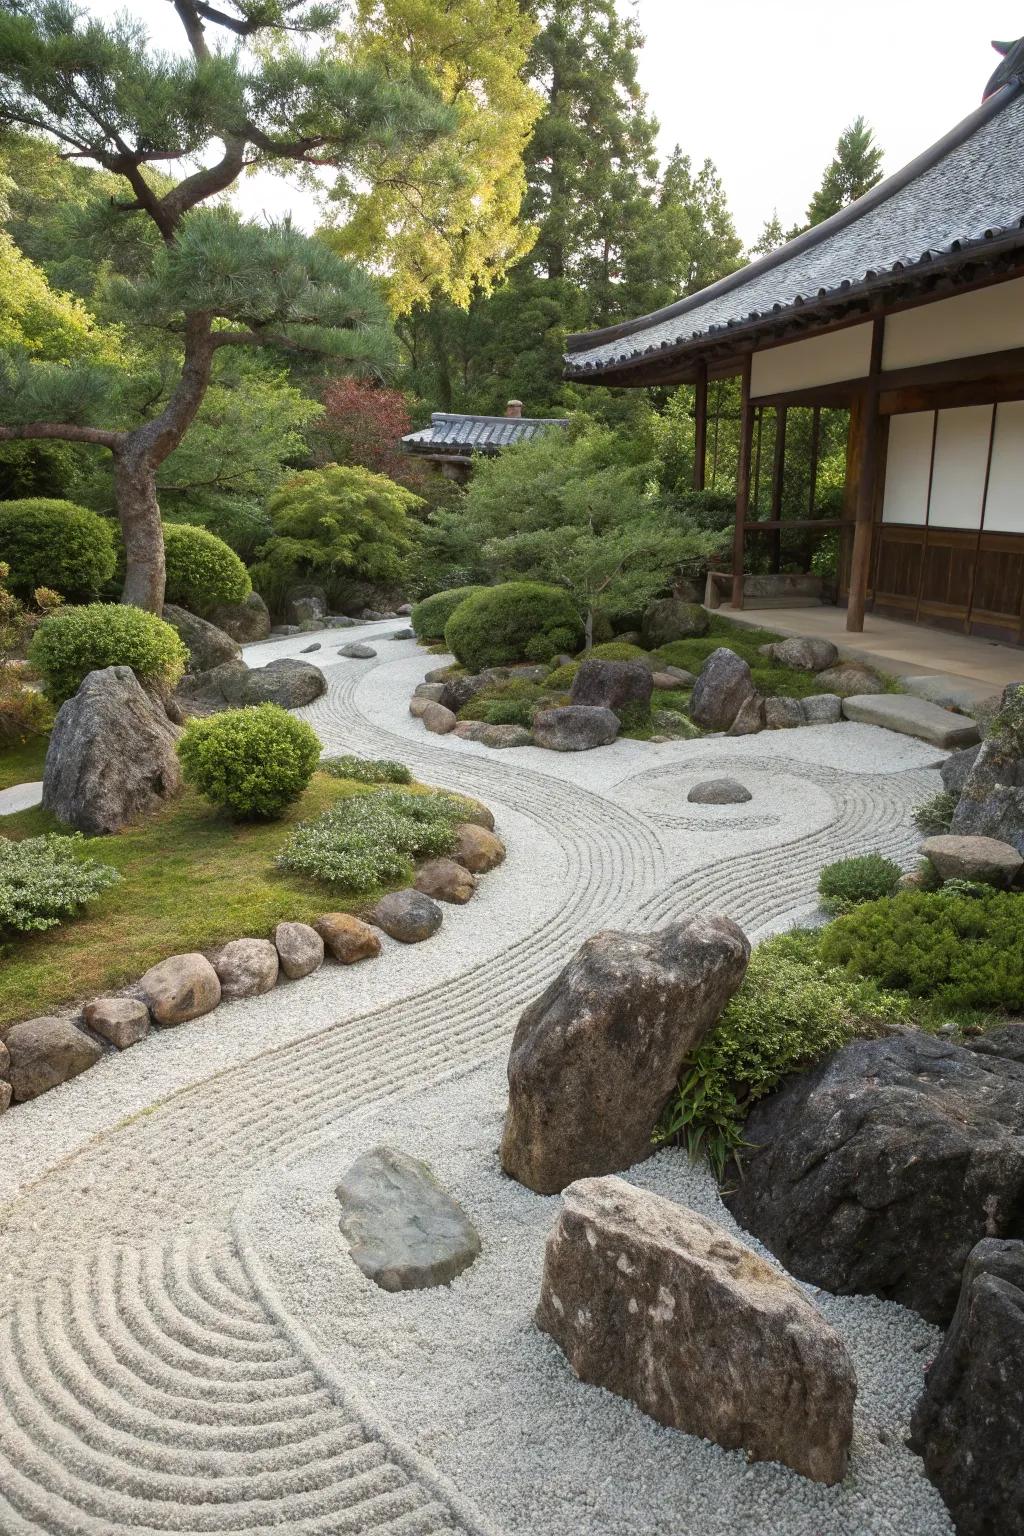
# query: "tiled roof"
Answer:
x=963 y=194
x=449 y=433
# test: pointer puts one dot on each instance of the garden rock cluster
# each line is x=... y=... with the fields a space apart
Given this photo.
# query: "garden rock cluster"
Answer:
x=724 y=699
x=991 y=802
x=597 y=1055
x=652 y=1301
x=881 y=1168
x=288 y=681
x=405 y=1232
x=111 y=758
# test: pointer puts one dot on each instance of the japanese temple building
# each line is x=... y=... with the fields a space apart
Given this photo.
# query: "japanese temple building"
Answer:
x=452 y=440
x=907 y=309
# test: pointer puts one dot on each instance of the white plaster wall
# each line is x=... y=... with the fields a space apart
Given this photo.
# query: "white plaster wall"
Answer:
x=987 y=320
x=1004 y=507
x=907 y=465
x=958 y=477
x=806 y=364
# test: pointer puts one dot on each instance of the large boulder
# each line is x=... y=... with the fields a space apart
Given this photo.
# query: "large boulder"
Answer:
x=724 y=685
x=181 y=988
x=595 y=1058
x=807 y=655
x=672 y=618
x=612 y=684
x=969 y=1425
x=656 y=1303
x=880 y=1169
x=992 y=800
x=45 y=1053
x=288 y=681
x=575 y=728
x=306 y=604
x=245 y=622
x=111 y=758
x=207 y=645
x=404 y=1230
x=983 y=859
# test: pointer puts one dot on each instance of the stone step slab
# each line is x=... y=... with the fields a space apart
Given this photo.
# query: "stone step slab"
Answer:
x=911 y=716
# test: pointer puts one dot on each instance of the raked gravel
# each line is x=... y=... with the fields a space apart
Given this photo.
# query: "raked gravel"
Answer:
x=148 y=1386
x=465 y=1376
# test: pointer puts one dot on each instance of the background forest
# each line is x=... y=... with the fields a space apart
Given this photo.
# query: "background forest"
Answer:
x=515 y=197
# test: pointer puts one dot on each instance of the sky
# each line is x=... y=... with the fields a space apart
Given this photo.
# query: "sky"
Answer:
x=765 y=87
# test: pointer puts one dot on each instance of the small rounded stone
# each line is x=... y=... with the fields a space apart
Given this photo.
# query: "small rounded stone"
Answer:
x=719 y=792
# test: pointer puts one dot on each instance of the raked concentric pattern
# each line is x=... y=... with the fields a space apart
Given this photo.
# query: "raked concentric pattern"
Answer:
x=143 y=1387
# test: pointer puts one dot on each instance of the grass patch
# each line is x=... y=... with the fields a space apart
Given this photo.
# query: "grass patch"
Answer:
x=192 y=880
x=23 y=764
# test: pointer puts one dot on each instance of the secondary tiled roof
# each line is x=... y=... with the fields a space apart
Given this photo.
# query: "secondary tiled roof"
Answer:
x=963 y=194
x=450 y=433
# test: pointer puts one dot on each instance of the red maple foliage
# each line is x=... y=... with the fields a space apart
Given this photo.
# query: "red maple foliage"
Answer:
x=363 y=424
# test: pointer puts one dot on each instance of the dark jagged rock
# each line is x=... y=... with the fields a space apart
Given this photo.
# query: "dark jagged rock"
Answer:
x=969 y=1424
x=245 y=622
x=575 y=728
x=207 y=645
x=879 y=1170
x=612 y=684
x=723 y=687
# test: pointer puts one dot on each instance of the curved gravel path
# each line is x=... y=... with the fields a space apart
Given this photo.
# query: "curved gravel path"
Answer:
x=145 y=1384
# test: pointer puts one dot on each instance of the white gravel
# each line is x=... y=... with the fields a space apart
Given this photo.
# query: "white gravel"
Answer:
x=463 y=1374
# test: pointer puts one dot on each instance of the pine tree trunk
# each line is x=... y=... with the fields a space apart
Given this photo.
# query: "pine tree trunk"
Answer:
x=588 y=630
x=139 y=512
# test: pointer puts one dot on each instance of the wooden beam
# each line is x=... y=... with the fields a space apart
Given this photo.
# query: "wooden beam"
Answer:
x=778 y=478
x=742 y=485
x=863 y=461
x=700 y=416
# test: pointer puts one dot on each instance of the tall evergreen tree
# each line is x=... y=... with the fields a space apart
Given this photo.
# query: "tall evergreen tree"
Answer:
x=262 y=83
x=683 y=240
x=854 y=169
x=771 y=237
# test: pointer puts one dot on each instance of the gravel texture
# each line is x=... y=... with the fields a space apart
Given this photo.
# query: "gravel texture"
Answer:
x=146 y=1383
x=464 y=1374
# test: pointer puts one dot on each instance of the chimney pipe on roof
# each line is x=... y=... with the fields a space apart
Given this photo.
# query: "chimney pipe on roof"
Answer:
x=514 y=408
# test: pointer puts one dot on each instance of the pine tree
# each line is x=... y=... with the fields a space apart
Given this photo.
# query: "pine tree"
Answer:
x=683 y=240
x=855 y=168
x=771 y=237
x=294 y=98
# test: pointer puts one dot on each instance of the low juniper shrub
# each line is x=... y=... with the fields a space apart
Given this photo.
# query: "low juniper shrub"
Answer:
x=865 y=877
x=44 y=880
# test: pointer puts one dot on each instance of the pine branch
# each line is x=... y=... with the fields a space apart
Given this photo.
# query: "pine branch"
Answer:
x=66 y=432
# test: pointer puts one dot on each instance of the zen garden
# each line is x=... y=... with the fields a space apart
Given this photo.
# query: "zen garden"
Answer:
x=511 y=782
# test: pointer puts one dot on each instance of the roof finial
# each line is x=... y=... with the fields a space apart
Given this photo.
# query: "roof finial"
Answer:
x=1011 y=68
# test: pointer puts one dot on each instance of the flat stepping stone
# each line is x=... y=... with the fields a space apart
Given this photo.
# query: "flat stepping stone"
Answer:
x=21 y=797
x=719 y=792
x=912 y=717
x=405 y=1231
x=952 y=692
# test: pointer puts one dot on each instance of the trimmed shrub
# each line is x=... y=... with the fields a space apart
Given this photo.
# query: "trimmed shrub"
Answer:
x=512 y=703
x=935 y=816
x=865 y=877
x=518 y=621
x=960 y=952
x=371 y=840
x=75 y=641
x=43 y=880
x=619 y=650
x=791 y=1010
x=367 y=770
x=56 y=544
x=201 y=569
x=251 y=762
x=430 y=616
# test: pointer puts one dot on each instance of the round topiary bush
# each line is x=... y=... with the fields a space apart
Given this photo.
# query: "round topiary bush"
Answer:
x=75 y=641
x=865 y=877
x=519 y=621
x=55 y=544
x=201 y=569
x=430 y=616
x=252 y=762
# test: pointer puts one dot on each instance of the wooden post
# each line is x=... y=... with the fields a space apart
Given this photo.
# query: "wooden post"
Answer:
x=700 y=417
x=742 y=484
x=863 y=467
x=778 y=476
